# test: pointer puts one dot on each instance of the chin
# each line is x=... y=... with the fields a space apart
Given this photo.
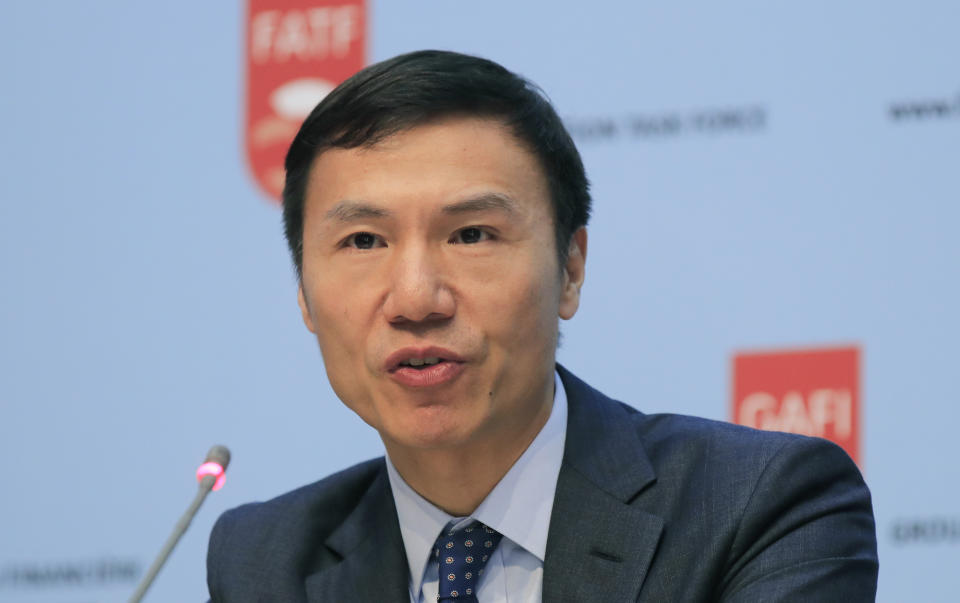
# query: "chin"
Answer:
x=431 y=430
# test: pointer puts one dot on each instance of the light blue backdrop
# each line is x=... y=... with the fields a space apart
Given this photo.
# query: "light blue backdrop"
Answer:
x=147 y=305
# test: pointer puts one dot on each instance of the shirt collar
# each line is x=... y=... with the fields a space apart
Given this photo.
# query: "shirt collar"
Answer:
x=518 y=507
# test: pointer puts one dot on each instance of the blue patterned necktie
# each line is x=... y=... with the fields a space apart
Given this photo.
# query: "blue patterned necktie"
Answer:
x=462 y=556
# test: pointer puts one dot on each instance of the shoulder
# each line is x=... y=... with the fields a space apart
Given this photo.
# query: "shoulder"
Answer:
x=769 y=512
x=741 y=465
x=791 y=512
x=267 y=538
x=727 y=447
x=673 y=441
x=331 y=497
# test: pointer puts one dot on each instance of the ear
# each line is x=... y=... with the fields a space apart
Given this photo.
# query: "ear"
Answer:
x=305 y=309
x=573 y=274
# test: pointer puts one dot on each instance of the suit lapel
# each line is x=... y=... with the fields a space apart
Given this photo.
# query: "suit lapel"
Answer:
x=599 y=547
x=374 y=566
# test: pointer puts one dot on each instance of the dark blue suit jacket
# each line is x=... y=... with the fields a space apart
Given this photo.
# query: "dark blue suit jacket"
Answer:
x=647 y=508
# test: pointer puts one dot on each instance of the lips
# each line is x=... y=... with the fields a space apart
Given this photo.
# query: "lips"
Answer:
x=424 y=367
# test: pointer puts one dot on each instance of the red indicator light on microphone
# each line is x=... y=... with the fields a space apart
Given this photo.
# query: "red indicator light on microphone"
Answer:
x=214 y=469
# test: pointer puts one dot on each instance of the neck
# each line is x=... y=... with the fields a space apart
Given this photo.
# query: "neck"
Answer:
x=457 y=479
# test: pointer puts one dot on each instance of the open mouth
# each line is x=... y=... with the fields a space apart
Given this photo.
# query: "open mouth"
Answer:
x=425 y=367
x=420 y=363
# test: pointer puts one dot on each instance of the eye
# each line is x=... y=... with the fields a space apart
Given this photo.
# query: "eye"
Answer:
x=363 y=240
x=468 y=236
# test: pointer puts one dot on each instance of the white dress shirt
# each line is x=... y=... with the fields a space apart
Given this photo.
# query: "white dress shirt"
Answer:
x=518 y=507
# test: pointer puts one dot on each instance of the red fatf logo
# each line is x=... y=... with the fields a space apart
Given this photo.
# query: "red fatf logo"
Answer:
x=297 y=52
x=813 y=392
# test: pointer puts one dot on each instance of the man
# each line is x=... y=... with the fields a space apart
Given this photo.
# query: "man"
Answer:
x=435 y=207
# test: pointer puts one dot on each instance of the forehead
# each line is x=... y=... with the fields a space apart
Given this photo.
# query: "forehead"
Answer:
x=437 y=161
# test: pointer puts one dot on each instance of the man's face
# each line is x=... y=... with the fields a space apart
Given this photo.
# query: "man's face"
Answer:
x=431 y=280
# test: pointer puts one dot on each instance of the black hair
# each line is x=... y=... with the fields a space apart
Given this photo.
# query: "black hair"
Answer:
x=415 y=88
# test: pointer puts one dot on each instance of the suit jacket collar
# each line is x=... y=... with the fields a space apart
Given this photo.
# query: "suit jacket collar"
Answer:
x=600 y=547
x=373 y=566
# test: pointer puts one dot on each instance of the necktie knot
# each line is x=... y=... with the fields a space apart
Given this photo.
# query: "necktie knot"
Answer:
x=462 y=555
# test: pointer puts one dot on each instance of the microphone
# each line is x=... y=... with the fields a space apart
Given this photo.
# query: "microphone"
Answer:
x=211 y=475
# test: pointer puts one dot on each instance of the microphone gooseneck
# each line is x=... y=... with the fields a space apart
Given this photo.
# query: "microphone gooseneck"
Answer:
x=211 y=475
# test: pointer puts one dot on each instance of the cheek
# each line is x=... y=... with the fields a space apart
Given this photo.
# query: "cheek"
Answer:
x=340 y=336
x=338 y=322
x=525 y=306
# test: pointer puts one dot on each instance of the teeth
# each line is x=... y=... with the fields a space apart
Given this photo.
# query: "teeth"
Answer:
x=422 y=361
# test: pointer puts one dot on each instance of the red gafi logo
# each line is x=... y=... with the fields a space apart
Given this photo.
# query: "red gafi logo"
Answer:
x=813 y=392
x=297 y=52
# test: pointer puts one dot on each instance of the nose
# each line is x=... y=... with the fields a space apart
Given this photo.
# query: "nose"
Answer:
x=419 y=291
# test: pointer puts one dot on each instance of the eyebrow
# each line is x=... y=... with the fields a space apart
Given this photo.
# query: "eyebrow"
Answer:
x=353 y=211
x=483 y=202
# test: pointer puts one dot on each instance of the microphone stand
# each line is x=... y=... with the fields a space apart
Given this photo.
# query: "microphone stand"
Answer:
x=212 y=470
